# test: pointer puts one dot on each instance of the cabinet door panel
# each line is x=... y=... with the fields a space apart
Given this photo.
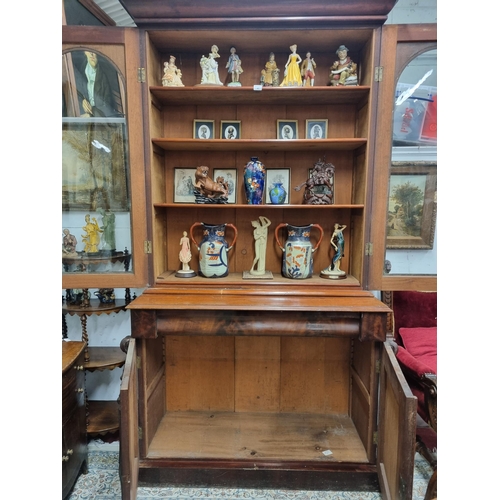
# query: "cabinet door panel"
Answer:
x=397 y=428
x=129 y=426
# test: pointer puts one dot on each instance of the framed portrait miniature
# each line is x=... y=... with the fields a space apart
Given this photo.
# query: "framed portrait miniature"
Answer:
x=316 y=129
x=203 y=129
x=278 y=176
x=287 y=129
x=229 y=176
x=184 y=181
x=411 y=214
x=230 y=129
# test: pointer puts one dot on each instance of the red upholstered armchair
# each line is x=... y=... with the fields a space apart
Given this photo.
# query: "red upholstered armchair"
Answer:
x=415 y=336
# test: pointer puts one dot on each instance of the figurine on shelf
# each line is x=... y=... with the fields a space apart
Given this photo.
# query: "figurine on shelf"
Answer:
x=106 y=295
x=337 y=242
x=271 y=73
x=260 y=237
x=210 y=68
x=185 y=258
x=171 y=74
x=319 y=186
x=207 y=190
x=307 y=71
x=92 y=237
x=344 y=70
x=234 y=68
x=108 y=227
x=292 y=69
x=69 y=244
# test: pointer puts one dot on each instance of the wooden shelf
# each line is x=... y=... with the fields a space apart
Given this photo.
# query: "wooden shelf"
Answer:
x=259 y=144
x=104 y=358
x=103 y=417
x=198 y=95
x=95 y=307
x=260 y=207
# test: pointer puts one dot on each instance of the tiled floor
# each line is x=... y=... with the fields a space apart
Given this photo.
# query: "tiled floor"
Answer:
x=103 y=483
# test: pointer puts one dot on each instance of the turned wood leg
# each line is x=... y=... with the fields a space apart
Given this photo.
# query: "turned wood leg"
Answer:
x=85 y=337
x=431 y=493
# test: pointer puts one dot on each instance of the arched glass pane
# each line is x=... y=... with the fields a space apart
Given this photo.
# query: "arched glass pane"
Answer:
x=96 y=217
x=411 y=243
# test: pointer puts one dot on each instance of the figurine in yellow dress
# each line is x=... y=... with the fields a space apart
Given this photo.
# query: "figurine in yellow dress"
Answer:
x=292 y=69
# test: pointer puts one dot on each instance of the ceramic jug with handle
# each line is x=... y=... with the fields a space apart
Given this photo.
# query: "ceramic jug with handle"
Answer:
x=298 y=250
x=213 y=248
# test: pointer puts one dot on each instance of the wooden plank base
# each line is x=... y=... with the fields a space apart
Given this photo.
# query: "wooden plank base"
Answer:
x=255 y=437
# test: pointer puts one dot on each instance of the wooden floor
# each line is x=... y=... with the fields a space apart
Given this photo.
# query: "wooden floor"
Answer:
x=257 y=436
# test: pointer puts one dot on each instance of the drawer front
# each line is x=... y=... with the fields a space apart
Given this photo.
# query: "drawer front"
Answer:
x=73 y=389
x=74 y=448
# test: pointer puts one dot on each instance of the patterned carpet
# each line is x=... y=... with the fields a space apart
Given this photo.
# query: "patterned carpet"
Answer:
x=103 y=483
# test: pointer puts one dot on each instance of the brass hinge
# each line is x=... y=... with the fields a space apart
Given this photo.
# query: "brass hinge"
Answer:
x=141 y=75
x=148 y=247
x=138 y=362
x=139 y=432
x=379 y=73
x=369 y=249
x=375 y=437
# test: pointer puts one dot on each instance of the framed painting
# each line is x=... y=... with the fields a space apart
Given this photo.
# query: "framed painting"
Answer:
x=287 y=129
x=316 y=129
x=412 y=205
x=275 y=176
x=229 y=175
x=203 y=129
x=184 y=181
x=230 y=129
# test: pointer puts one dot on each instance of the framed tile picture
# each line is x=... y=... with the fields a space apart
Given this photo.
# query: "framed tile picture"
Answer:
x=229 y=175
x=184 y=181
x=230 y=129
x=203 y=129
x=277 y=176
x=316 y=129
x=287 y=129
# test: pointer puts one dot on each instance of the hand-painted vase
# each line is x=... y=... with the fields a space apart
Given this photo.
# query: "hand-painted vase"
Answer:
x=254 y=178
x=213 y=249
x=277 y=194
x=298 y=250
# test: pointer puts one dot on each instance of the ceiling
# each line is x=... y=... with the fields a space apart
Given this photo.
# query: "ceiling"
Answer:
x=115 y=10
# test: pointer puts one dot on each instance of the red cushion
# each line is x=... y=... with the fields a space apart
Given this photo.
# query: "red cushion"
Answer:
x=421 y=343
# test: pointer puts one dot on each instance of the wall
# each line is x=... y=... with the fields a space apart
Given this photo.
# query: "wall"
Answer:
x=109 y=330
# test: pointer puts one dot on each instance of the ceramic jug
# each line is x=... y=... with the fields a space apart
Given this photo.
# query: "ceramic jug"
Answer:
x=213 y=249
x=298 y=250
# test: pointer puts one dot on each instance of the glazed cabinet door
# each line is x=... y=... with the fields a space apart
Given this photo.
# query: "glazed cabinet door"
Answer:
x=396 y=432
x=103 y=182
x=129 y=425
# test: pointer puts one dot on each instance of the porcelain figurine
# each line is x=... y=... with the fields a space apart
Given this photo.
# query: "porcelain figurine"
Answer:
x=270 y=74
x=171 y=74
x=234 y=68
x=307 y=71
x=344 y=70
x=106 y=295
x=260 y=236
x=337 y=242
x=207 y=190
x=69 y=244
x=319 y=186
x=292 y=69
x=298 y=250
x=213 y=249
x=210 y=68
x=92 y=236
x=108 y=228
x=185 y=258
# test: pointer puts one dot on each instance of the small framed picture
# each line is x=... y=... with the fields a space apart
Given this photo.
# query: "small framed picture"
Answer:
x=203 y=129
x=230 y=129
x=287 y=129
x=229 y=176
x=277 y=176
x=316 y=129
x=184 y=181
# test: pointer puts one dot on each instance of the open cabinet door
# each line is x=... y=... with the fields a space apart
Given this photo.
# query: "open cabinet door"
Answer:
x=396 y=431
x=129 y=426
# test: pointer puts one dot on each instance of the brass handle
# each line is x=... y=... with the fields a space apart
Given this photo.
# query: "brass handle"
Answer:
x=79 y=390
x=65 y=458
x=78 y=367
x=69 y=452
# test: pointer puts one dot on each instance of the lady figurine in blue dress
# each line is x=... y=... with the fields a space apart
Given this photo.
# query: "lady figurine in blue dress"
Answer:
x=337 y=241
